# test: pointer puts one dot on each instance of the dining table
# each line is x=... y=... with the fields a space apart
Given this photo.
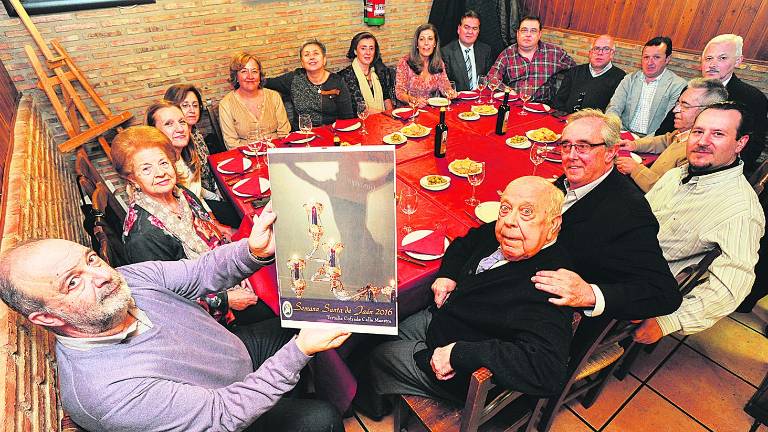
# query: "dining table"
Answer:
x=445 y=210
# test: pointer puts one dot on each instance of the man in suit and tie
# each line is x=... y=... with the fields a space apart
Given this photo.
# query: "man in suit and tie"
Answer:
x=644 y=98
x=466 y=58
x=609 y=230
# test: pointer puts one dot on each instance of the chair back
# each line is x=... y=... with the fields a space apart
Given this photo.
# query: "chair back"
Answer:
x=213 y=117
x=689 y=277
x=759 y=178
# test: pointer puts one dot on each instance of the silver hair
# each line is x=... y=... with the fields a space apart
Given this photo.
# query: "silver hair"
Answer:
x=715 y=91
x=728 y=37
x=611 y=128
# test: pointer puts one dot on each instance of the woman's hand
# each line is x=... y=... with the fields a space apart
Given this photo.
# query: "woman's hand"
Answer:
x=241 y=296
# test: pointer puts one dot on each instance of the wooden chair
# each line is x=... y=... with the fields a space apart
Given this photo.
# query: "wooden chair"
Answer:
x=594 y=348
x=687 y=280
x=108 y=243
x=213 y=116
x=759 y=178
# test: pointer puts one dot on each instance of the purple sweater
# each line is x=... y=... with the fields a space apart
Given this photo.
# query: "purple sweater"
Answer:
x=186 y=373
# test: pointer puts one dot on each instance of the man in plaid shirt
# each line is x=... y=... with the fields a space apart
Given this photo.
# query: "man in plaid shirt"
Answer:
x=530 y=62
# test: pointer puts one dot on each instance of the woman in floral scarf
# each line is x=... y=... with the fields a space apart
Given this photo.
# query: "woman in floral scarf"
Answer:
x=167 y=222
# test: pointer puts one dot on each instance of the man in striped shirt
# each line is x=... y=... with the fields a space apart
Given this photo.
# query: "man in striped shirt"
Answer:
x=530 y=62
x=703 y=204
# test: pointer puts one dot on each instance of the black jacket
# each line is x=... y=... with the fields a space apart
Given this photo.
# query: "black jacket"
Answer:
x=453 y=56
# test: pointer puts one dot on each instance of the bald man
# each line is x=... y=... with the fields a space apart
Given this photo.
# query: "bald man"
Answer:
x=136 y=353
x=590 y=85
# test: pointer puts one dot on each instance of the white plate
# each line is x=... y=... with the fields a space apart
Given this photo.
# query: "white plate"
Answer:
x=246 y=164
x=303 y=140
x=263 y=186
x=529 y=135
x=500 y=96
x=489 y=113
x=388 y=139
x=426 y=132
x=425 y=185
x=438 y=101
x=466 y=116
x=248 y=152
x=545 y=110
x=488 y=211
x=523 y=145
x=468 y=97
x=399 y=110
x=552 y=159
x=348 y=129
x=418 y=235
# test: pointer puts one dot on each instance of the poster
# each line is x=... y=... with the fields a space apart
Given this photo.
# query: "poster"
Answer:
x=336 y=237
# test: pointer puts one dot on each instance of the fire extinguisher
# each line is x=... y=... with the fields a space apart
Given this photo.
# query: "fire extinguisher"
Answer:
x=374 y=12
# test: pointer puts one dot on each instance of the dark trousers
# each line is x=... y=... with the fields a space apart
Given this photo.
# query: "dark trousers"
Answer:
x=262 y=340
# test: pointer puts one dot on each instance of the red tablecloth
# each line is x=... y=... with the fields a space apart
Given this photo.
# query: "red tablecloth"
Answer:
x=415 y=159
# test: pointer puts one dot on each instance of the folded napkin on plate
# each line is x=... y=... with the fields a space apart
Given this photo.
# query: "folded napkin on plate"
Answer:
x=297 y=136
x=432 y=244
x=251 y=186
x=626 y=135
x=234 y=165
x=537 y=106
x=467 y=94
x=344 y=123
x=624 y=153
x=405 y=114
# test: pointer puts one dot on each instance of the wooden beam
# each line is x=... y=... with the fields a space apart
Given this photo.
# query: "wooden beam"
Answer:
x=93 y=132
x=45 y=82
x=33 y=31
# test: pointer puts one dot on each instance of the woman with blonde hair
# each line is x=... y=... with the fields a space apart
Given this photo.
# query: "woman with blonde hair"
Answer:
x=250 y=107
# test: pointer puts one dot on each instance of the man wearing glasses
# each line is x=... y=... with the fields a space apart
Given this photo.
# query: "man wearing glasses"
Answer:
x=590 y=85
x=699 y=94
x=609 y=230
x=466 y=58
x=644 y=98
x=530 y=62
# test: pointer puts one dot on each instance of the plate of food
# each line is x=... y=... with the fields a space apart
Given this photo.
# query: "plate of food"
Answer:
x=485 y=109
x=518 y=142
x=415 y=130
x=467 y=95
x=424 y=240
x=537 y=107
x=542 y=135
x=395 y=138
x=435 y=182
x=488 y=211
x=405 y=113
x=235 y=165
x=469 y=116
x=553 y=155
x=464 y=167
x=438 y=101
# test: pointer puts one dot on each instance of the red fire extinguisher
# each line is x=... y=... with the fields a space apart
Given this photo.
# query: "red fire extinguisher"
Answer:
x=374 y=12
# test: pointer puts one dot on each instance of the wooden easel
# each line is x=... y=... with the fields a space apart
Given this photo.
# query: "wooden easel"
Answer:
x=65 y=73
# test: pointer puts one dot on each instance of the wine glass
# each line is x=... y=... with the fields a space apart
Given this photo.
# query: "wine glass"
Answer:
x=538 y=151
x=494 y=84
x=255 y=140
x=475 y=177
x=525 y=92
x=408 y=201
x=305 y=124
x=453 y=92
x=362 y=114
x=414 y=106
x=482 y=81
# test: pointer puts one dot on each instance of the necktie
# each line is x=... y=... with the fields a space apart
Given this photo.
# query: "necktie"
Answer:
x=468 y=62
x=488 y=262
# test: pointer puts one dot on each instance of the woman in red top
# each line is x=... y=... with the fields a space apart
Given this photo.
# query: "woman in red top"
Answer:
x=421 y=73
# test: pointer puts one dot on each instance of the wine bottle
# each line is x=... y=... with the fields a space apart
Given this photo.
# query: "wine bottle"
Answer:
x=441 y=135
x=503 y=115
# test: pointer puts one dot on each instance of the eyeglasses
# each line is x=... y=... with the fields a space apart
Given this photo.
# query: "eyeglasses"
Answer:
x=601 y=49
x=687 y=106
x=187 y=105
x=581 y=148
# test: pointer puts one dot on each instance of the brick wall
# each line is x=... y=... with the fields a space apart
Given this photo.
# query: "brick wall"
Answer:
x=684 y=62
x=133 y=54
x=41 y=201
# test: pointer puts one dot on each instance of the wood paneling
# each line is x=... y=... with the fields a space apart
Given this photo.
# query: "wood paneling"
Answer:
x=690 y=23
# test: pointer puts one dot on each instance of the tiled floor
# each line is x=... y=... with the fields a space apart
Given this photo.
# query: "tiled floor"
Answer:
x=697 y=383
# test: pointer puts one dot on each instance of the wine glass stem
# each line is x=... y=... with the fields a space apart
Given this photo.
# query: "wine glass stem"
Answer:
x=535 y=165
x=409 y=223
x=473 y=192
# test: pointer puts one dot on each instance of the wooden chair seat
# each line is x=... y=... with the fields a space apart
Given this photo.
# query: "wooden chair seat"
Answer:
x=600 y=360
